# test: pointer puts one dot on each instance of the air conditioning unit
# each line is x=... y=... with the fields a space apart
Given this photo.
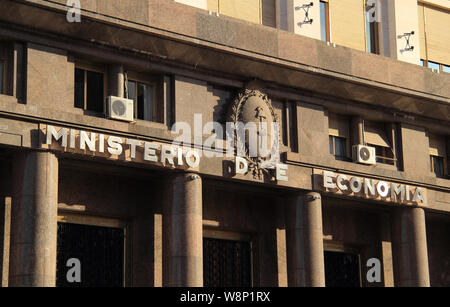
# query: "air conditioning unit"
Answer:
x=364 y=154
x=119 y=108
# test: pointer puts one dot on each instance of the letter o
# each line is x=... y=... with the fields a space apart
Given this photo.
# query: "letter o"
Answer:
x=358 y=187
x=195 y=155
x=382 y=189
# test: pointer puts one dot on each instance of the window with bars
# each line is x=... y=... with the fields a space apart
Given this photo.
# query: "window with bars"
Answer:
x=100 y=251
x=227 y=263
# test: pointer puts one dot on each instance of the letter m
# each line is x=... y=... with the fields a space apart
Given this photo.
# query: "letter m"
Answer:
x=61 y=134
x=397 y=189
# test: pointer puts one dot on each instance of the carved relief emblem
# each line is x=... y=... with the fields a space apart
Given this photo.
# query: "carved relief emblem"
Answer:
x=256 y=135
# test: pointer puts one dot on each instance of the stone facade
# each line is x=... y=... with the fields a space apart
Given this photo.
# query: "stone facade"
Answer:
x=201 y=63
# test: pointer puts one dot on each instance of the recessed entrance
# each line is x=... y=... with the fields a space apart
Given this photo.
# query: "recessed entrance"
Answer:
x=226 y=263
x=342 y=269
x=100 y=251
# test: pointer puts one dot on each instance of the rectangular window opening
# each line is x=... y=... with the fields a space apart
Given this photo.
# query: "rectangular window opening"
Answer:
x=227 y=263
x=89 y=90
x=342 y=269
x=324 y=22
x=99 y=250
x=144 y=97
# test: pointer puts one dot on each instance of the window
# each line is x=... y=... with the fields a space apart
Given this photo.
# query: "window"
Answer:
x=324 y=22
x=99 y=244
x=434 y=65
x=371 y=33
x=375 y=135
x=342 y=265
x=227 y=263
x=89 y=90
x=342 y=270
x=437 y=165
x=292 y=132
x=2 y=73
x=338 y=147
x=437 y=66
x=438 y=154
x=339 y=136
x=228 y=259
x=144 y=99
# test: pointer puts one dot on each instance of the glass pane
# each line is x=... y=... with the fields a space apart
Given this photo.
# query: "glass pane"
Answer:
x=145 y=102
x=422 y=63
x=79 y=88
x=100 y=251
x=438 y=165
x=95 y=91
x=140 y=101
x=434 y=65
x=323 y=21
x=2 y=65
x=370 y=35
x=148 y=103
x=446 y=68
x=131 y=90
x=340 y=147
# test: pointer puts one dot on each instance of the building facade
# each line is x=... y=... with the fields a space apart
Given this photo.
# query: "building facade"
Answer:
x=356 y=194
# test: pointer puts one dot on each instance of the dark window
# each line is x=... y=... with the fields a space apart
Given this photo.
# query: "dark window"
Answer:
x=89 y=90
x=437 y=165
x=324 y=22
x=226 y=263
x=338 y=147
x=342 y=270
x=100 y=251
x=293 y=140
x=371 y=34
x=2 y=71
x=143 y=96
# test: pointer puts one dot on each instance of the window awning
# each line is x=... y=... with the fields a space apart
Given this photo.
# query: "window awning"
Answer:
x=376 y=136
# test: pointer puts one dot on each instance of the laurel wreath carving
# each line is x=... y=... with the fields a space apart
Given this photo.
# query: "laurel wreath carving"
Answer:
x=235 y=116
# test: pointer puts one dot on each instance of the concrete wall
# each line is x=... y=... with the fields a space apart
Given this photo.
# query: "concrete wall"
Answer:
x=416 y=157
x=50 y=78
x=292 y=17
x=399 y=17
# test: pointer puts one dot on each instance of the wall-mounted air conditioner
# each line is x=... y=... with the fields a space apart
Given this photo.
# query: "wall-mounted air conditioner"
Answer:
x=364 y=154
x=119 y=108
